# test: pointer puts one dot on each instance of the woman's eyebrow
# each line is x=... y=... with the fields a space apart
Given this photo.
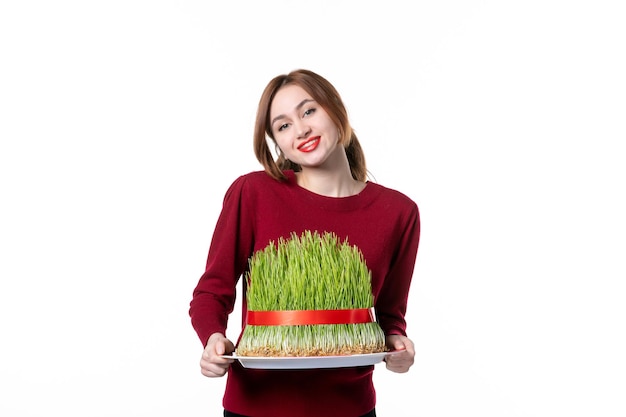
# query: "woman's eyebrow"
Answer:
x=298 y=107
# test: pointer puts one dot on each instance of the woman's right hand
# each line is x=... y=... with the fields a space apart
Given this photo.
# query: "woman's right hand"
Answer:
x=212 y=364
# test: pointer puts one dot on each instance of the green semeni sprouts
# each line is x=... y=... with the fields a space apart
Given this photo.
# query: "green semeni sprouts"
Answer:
x=309 y=272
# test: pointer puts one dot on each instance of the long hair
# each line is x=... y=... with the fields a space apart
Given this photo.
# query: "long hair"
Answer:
x=325 y=94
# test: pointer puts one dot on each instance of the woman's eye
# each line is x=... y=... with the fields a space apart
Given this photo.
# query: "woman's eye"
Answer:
x=283 y=127
x=309 y=112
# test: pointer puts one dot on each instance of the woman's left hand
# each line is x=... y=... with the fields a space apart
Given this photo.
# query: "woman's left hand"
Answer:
x=400 y=362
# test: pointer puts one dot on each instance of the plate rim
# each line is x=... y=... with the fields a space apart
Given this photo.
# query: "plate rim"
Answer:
x=320 y=357
x=310 y=362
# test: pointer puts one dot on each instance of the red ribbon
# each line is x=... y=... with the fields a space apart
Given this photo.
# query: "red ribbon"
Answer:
x=304 y=317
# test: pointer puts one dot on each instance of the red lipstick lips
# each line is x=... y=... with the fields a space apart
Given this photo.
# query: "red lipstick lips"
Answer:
x=309 y=145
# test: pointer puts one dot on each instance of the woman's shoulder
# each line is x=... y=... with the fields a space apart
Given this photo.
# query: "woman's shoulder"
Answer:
x=255 y=180
x=253 y=176
x=393 y=196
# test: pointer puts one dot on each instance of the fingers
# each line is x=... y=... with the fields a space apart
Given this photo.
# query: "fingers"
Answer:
x=212 y=363
x=401 y=361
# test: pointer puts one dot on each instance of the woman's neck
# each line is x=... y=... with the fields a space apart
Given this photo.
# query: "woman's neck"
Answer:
x=329 y=183
x=333 y=178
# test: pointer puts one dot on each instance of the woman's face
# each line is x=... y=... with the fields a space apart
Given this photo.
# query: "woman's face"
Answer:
x=301 y=127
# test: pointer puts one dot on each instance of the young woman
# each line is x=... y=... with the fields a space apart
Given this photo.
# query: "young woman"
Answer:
x=318 y=183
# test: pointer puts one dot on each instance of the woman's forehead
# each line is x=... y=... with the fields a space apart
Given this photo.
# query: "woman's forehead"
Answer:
x=288 y=99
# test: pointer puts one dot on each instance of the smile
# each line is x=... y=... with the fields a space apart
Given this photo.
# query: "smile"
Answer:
x=309 y=145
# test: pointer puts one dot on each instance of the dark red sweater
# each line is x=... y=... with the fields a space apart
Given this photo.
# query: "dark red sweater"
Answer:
x=384 y=224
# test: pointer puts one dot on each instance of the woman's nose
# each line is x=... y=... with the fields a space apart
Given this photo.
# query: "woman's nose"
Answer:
x=302 y=130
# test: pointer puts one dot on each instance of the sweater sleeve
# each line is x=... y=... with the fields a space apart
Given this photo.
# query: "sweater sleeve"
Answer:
x=214 y=296
x=391 y=303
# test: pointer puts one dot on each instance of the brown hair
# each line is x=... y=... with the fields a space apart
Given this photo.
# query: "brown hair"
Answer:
x=328 y=98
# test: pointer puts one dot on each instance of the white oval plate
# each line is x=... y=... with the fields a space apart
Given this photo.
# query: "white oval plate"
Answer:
x=310 y=362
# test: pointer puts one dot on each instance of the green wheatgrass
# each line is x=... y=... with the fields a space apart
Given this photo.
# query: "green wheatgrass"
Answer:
x=309 y=272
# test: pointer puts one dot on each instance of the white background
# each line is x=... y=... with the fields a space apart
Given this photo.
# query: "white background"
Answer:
x=123 y=122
